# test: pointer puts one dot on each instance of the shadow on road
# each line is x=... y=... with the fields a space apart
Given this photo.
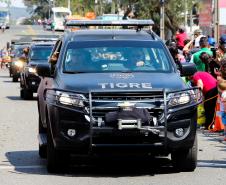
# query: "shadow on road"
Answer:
x=17 y=98
x=212 y=163
x=29 y=162
x=8 y=81
x=14 y=98
x=5 y=77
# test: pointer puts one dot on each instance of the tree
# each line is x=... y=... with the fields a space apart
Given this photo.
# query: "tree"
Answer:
x=174 y=12
x=8 y=2
x=41 y=7
x=143 y=9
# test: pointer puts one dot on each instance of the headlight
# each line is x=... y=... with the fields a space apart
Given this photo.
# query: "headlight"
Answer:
x=176 y=99
x=76 y=100
x=31 y=70
x=19 y=64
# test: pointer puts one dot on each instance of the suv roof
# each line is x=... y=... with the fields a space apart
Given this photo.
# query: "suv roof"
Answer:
x=111 y=34
x=106 y=34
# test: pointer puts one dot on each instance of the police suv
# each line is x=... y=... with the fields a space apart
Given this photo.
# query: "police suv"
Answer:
x=116 y=91
x=29 y=81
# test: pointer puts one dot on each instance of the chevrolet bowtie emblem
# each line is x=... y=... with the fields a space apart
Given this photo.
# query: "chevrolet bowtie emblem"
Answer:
x=126 y=104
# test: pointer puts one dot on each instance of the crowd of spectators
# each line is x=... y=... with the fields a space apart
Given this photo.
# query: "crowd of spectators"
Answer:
x=210 y=61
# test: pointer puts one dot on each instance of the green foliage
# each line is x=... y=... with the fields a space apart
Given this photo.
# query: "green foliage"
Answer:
x=42 y=7
x=144 y=9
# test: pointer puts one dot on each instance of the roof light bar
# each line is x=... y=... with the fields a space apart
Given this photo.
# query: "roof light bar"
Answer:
x=85 y=23
x=44 y=39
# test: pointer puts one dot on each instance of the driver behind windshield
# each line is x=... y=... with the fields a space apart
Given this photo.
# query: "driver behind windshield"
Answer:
x=137 y=59
x=78 y=61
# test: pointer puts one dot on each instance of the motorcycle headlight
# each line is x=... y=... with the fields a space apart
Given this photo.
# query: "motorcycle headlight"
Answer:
x=31 y=70
x=76 y=100
x=19 y=64
x=176 y=99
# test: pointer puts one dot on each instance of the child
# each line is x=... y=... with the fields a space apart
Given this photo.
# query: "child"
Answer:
x=221 y=83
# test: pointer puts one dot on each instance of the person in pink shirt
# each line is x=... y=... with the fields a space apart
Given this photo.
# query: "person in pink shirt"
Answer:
x=208 y=84
x=181 y=36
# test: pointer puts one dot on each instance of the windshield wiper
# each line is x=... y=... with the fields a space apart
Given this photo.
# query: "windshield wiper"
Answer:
x=38 y=59
x=127 y=71
x=74 y=72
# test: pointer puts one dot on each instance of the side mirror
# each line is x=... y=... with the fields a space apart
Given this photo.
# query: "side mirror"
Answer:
x=188 y=69
x=43 y=70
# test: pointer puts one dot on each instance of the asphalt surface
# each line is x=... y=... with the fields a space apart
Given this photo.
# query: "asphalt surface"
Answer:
x=21 y=165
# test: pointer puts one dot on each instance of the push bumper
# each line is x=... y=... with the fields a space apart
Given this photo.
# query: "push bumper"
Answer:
x=106 y=138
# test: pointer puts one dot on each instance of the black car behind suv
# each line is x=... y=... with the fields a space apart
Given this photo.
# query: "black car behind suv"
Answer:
x=29 y=81
x=115 y=91
x=17 y=64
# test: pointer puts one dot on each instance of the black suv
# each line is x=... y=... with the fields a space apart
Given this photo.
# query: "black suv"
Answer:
x=29 y=81
x=17 y=64
x=115 y=91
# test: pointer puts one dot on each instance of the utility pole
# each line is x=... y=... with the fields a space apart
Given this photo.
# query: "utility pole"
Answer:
x=96 y=7
x=216 y=20
x=162 y=19
x=191 y=20
x=185 y=13
x=69 y=4
x=113 y=4
x=50 y=6
x=101 y=7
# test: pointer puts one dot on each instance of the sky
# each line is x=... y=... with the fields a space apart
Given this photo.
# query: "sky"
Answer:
x=16 y=3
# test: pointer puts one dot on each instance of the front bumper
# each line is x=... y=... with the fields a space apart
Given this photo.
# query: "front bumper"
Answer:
x=90 y=136
x=15 y=71
x=109 y=137
x=32 y=82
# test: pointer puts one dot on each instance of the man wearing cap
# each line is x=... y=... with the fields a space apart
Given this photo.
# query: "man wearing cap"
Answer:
x=197 y=35
x=204 y=45
x=221 y=51
x=193 y=45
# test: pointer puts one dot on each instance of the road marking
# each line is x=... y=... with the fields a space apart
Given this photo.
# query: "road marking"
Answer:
x=31 y=31
x=9 y=167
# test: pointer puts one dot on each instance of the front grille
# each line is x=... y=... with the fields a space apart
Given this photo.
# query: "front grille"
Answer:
x=156 y=96
x=103 y=102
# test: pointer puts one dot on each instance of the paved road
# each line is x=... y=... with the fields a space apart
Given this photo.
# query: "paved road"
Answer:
x=21 y=165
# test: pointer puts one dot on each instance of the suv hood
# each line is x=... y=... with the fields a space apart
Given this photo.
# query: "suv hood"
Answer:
x=36 y=62
x=86 y=82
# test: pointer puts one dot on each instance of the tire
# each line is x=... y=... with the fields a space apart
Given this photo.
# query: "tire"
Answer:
x=21 y=85
x=22 y=94
x=57 y=160
x=28 y=94
x=15 y=79
x=10 y=73
x=185 y=159
x=42 y=149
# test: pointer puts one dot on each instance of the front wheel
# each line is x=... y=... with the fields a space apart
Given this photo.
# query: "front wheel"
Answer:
x=22 y=94
x=15 y=78
x=28 y=94
x=57 y=160
x=42 y=149
x=185 y=159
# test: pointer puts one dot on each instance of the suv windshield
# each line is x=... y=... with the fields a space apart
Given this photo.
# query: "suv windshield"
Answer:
x=40 y=53
x=18 y=52
x=116 y=56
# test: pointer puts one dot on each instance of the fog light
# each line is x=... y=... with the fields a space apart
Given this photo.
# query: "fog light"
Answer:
x=71 y=132
x=179 y=132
